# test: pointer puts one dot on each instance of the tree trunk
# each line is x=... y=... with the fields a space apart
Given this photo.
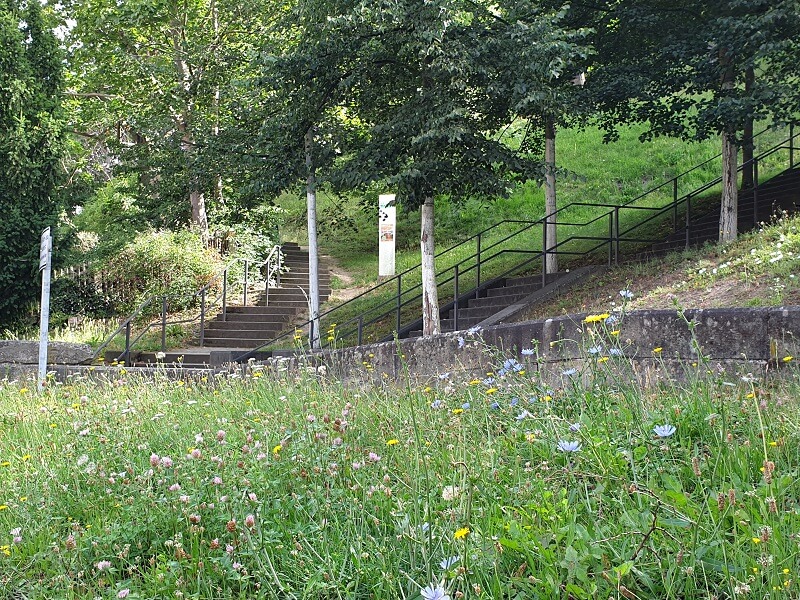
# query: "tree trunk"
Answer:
x=430 y=296
x=550 y=205
x=747 y=138
x=197 y=198
x=729 y=208
x=313 y=254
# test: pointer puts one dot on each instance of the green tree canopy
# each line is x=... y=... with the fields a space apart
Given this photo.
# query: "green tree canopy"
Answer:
x=31 y=145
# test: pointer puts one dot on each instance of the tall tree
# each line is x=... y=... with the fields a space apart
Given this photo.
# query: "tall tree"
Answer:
x=696 y=69
x=444 y=85
x=31 y=145
x=157 y=81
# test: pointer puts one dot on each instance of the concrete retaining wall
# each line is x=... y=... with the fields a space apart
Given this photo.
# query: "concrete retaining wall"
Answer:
x=733 y=340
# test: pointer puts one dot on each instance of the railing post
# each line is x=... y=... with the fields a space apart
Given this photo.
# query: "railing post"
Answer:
x=399 y=301
x=616 y=235
x=478 y=264
x=127 y=360
x=244 y=299
x=675 y=204
x=688 y=219
x=360 y=330
x=225 y=295
x=791 y=145
x=202 y=315
x=164 y=324
x=455 y=299
x=544 y=253
x=755 y=192
x=610 y=239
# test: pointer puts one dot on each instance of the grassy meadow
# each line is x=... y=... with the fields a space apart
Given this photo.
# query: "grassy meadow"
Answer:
x=254 y=486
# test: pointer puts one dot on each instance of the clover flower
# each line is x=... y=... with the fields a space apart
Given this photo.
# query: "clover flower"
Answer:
x=664 y=431
x=567 y=446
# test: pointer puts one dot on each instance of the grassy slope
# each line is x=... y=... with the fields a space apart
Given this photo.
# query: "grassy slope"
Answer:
x=595 y=173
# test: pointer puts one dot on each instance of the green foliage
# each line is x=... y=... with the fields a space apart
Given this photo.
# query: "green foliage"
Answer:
x=30 y=148
x=686 y=77
x=71 y=297
x=677 y=492
x=162 y=263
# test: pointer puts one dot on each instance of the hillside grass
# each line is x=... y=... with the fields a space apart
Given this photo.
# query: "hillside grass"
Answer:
x=594 y=174
x=505 y=487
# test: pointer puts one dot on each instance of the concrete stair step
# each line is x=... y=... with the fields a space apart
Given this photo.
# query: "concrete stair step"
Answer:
x=184 y=359
x=243 y=319
x=244 y=343
x=510 y=290
x=241 y=334
x=498 y=302
x=255 y=310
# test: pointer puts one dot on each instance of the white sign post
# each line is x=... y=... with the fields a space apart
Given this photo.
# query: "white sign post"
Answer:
x=45 y=253
x=387 y=230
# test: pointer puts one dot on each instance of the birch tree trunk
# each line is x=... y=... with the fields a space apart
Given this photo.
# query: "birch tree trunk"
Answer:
x=313 y=254
x=729 y=206
x=550 y=204
x=430 y=296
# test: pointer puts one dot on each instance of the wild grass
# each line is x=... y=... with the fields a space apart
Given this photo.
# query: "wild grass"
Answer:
x=502 y=486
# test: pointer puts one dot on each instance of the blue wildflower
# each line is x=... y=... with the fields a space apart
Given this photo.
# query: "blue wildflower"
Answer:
x=448 y=562
x=566 y=446
x=664 y=431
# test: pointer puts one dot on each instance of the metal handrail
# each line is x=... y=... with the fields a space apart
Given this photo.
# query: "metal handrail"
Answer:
x=611 y=241
x=274 y=264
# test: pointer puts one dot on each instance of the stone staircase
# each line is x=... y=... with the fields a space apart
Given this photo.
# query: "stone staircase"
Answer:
x=486 y=302
x=246 y=327
x=781 y=193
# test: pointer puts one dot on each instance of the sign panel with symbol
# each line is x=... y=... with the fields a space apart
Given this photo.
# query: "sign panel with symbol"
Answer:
x=387 y=228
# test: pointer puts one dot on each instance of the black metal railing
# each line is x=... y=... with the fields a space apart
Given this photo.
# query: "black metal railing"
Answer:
x=605 y=233
x=212 y=299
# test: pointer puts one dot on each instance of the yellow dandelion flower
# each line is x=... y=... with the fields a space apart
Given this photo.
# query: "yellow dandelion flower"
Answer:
x=750 y=396
x=787 y=359
x=529 y=437
x=475 y=382
x=491 y=391
x=458 y=411
x=657 y=350
x=786 y=571
x=773 y=444
x=23 y=391
x=756 y=540
x=5 y=463
x=460 y=534
x=3 y=506
x=26 y=457
x=615 y=332
x=602 y=359
x=392 y=442
x=596 y=318
x=6 y=550
x=23 y=498
x=276 y=450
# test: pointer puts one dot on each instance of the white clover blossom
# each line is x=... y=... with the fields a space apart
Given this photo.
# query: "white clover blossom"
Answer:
x=664 y=431
x=567 y=446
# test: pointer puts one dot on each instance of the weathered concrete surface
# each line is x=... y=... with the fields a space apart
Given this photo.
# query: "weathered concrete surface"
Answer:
x=717 y=340
x=58 y=353
x=562 y=350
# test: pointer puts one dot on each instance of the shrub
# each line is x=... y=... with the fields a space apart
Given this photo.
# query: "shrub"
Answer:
x=176 y=264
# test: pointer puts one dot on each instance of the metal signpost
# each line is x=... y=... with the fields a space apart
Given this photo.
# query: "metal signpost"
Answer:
x=45 y=253
x=387 y=229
